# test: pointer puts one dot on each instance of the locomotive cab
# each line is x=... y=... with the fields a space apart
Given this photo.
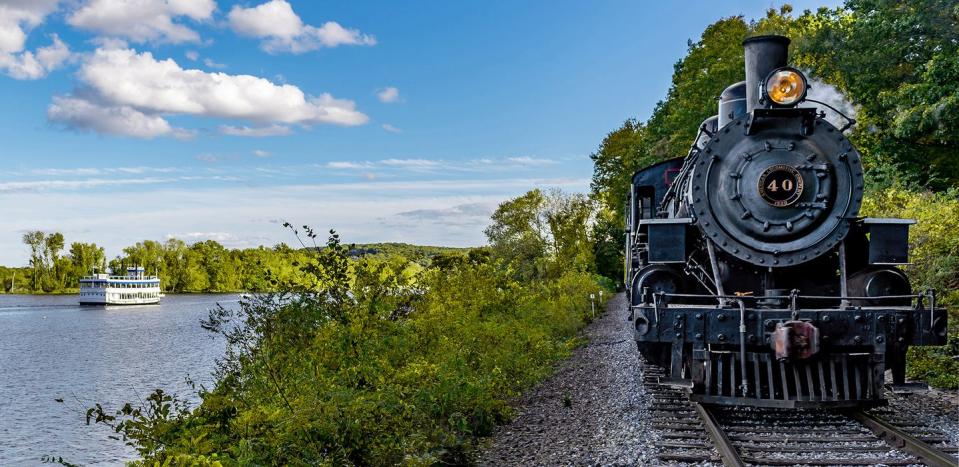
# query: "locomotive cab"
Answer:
x=751 y=276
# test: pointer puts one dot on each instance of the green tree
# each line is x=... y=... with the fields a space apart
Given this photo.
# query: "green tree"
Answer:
x=608 y=244
x=897 y=60
x=541 y=234
x=710 y=64
x=174 y=265
x=518 y=233
x=52 y=245
x=147 y=254
x=35 y=240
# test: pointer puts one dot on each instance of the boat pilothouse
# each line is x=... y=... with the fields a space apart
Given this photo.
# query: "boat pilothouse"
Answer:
x=134 y=288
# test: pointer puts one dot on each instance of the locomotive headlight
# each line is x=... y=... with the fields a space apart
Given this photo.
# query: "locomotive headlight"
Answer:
x=785 y=86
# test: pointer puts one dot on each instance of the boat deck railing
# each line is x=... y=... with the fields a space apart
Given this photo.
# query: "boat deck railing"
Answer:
x=119 y=278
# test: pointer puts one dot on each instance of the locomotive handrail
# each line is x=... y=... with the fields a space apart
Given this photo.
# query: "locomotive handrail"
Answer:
x=929 y=293
x=763 y=297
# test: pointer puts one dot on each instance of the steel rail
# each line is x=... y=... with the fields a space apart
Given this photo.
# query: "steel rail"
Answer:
x=724 y=445
x=899 y=439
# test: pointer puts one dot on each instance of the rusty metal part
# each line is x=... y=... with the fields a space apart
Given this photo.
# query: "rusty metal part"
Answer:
x=899 y=439
x=795 y=340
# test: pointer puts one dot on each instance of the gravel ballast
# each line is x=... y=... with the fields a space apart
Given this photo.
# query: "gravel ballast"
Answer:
x=592 y=411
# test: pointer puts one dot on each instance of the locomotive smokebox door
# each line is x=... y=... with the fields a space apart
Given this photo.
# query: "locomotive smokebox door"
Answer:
x=888 y=240
x=667 y=239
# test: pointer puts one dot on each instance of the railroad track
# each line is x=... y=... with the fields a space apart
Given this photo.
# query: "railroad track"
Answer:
x=738 y=436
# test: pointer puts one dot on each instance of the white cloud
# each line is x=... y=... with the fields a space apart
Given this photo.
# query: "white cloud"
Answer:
x=92 y=183
x=87 y=171
x=30 y=65
x=261 y=153
x=84 y=115
x=46 y=185
x=256 y=132
x=207 y=157
x=282 y=30
x=125 y=77
x=410 y=163
x=16 y=19
x=391 y=128
x=143 y=20
x=192 y=55
x=211 y=64
x=527 y=160
x=195 y=237
x=388 y=95
x=61 y=172
x=135 y=92
x=461 y=214
x=348 y=165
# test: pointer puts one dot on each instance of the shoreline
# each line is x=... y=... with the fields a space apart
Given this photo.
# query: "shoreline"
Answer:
x=74 y=292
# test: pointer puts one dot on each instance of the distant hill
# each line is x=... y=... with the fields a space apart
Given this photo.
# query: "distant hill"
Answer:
x=411 y=252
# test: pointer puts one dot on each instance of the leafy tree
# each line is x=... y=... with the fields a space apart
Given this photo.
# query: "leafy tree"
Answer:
x=897 y=61
x=147 y=254
x=541 y=234
x=622 y=152
x=608 y=244
x=518 y=233
x=174 y=265
x=35 y=240
x=85 y=257
x=711 y=64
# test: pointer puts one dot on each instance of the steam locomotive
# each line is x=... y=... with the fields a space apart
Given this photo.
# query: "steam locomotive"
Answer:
x=751 y=277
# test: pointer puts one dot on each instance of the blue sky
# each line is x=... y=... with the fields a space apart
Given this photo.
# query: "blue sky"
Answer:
x=126 y=120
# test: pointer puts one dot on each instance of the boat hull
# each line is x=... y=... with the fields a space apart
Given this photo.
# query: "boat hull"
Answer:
x=150 y=301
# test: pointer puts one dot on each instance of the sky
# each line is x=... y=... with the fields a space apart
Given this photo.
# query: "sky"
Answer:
x=126 y=120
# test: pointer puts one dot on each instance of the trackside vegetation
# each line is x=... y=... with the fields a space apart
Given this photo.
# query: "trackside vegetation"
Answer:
x=378 y=361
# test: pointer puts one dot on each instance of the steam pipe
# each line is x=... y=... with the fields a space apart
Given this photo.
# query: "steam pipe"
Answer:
x=843 y=279
x=742 y=344
x=763 y=55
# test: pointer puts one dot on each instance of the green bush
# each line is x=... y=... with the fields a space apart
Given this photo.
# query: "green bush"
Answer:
x=934 y=257
x=367 y=364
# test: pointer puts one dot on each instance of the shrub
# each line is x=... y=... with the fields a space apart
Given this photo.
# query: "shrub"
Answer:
x=934 y=254
x=362 y=363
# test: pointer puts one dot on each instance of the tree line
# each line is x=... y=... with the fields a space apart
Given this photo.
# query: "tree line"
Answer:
x=205 y=266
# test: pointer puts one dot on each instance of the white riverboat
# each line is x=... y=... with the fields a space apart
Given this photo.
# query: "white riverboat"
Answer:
x=134 y=288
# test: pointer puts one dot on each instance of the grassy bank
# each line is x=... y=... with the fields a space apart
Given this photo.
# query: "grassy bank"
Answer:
x=379 y=361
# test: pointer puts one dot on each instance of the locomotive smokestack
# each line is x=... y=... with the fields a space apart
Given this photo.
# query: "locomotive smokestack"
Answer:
x=763 y=55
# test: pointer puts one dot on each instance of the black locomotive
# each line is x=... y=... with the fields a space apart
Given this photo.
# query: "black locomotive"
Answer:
x=752 y=278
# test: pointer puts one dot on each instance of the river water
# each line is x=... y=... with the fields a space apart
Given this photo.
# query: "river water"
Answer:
x=52 y=348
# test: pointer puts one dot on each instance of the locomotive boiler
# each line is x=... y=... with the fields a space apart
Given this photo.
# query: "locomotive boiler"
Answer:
x=752 y=278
